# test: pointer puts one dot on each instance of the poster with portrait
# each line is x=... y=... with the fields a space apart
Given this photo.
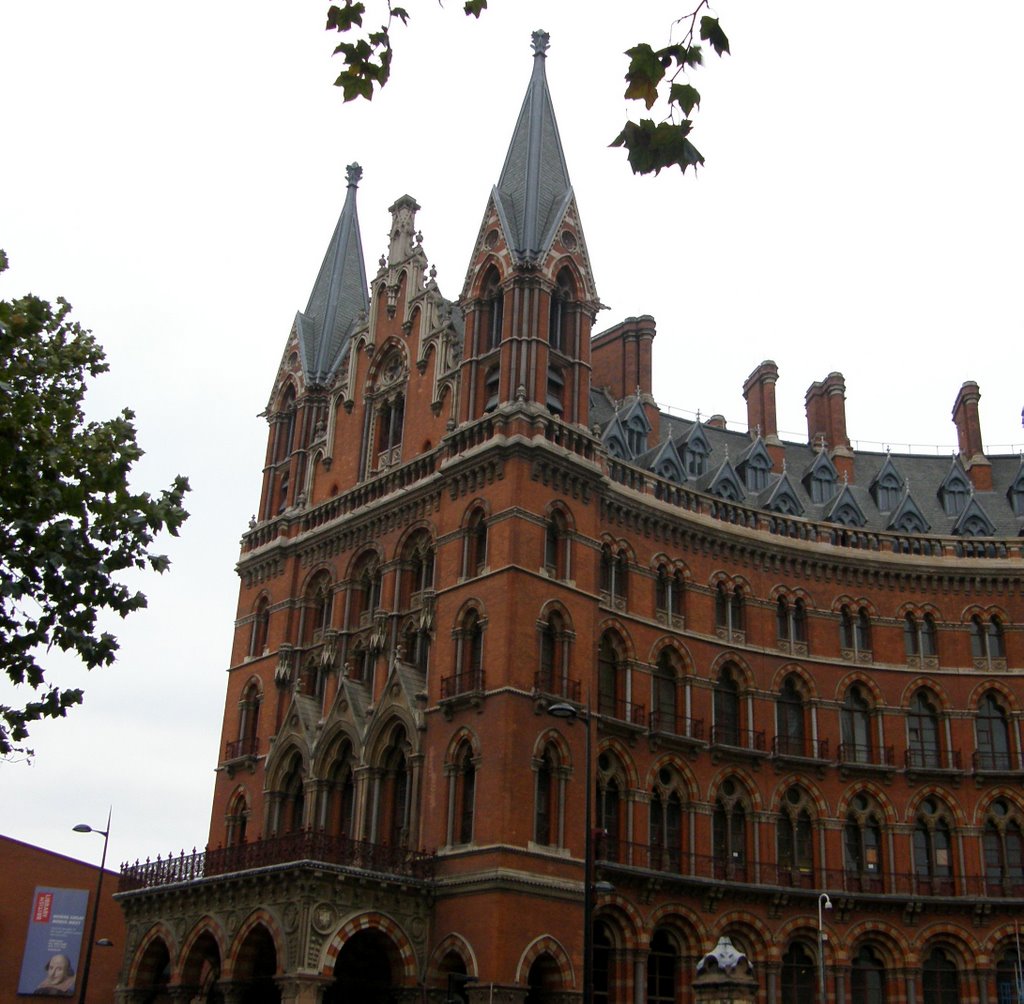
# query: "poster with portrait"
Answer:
x=53 y=945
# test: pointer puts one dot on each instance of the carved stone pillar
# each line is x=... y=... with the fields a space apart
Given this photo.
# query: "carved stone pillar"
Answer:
x=302 y=989
x=497 y=993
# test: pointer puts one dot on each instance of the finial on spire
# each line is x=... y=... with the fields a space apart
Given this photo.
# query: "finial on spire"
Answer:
x=541 y=42
x=353 y=174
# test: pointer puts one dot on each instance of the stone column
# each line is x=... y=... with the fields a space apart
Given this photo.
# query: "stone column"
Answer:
x=911 y=981
x=840 y=978
x=302 y=989
x=640 y=978
x=497 y=993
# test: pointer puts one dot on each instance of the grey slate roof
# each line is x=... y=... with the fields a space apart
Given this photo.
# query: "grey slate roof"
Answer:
x=922 y=475
x=534 y=191
x=339 y=298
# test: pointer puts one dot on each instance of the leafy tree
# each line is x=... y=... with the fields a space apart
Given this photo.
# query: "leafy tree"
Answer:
x=653 y=73
x=69 y=521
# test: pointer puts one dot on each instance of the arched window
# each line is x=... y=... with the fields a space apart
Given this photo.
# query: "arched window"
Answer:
x=924 y=749
x=665 y=710
x=993 y=735
x=338 y=813
x=545 y=819
x=799 y=975
x=556 y=546
x=790 y=737
x=238 y=815
x=662 y=969
x=726 y=706
x=476 y=544
x=608 y=796
x=933 y=850
x=463 y=795
x=919 y=637
x=729 y=833
x=493 y=313
x=856 y=727
x=614 y=576
x=293 y=797
x=611 y=677
x=562 y=295
x=862 y=845
x=283 y=443
x=319 y=607
x=940 y=979
x=729 y=612
x=392 y=823
x=248 y=743
x=552 y=677
x=260 y=628
x=604 y=970
x=386 y=413
x=1010 y=976
x=795 y=839
x=1003 y=849
x=666 y=819
x=669 y=596
x=417 y=568
x=987 y=639
x=492 y=388
x=867 y=978
x=469 y=674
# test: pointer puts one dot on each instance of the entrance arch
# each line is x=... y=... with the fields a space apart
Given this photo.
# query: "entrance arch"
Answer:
x=368 y=968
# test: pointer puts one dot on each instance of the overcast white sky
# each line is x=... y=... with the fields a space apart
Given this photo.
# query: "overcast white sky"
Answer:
x=176 y=170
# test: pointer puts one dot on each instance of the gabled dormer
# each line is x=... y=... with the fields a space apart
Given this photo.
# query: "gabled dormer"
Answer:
x=821 y=479
x=754 y=465
x=695 y=449
x=529 y=298
x=1015 y=492
x=887 y=486
x=845 y=509
x=725 y=483
x=955 y=489
x=907 y=516
x=636 y=427
x=973 y=521
x=614 y=439
x=782 y=498
x=666 y=462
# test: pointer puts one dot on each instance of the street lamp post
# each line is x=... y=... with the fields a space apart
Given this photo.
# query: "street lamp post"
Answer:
x=823 y=903
x=569 y=711
x=86 y=828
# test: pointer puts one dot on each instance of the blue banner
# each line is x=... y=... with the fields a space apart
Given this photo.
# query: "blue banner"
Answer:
x=53 y=945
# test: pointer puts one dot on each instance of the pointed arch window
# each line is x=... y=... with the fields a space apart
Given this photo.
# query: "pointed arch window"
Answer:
x=248 y=743
x=291 y=810
x=260 y=629
x=552 y=677
x=670 y=595
x=418 y=568
x=462 y=795
x=755 y=472
x=695 y=458
x=790 y=728
x=993 y=735
x=386 y=413
x=493 y=313
x=614 y=576
x=924 y=748
x=666 y=828
x=476 y=544
x=546 y=800
x=855 y=633
x=862 y=845
x=955 y=493
x=920 y=638
x=237 y=818
x=726 y=705
x=1003 y=848
x=611 y=678
x=933 y=850
x=799 y=975
x=556 y=391
x=662 y=969
x=729 y=613
x=665 y=711
x=856 y=727
x=559 y=323
x=940 y=978
x=729 y=833
x=791 y=624
x=867 y=977
x=392 y=801
x=338 y=813
x=319 y=609
x=823 y=484
x=469 y=675
x=888 y=492
x=987 y=644
x=556 y=546
x=795 y=840
x=608 y=797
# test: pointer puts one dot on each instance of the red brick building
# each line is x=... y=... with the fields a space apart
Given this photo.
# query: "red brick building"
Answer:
x=26 y=867
x=797 y=666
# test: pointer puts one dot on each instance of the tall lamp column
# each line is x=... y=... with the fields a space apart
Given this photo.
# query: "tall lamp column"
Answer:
x=823 y=903
x=86 y=828
x=569 y=711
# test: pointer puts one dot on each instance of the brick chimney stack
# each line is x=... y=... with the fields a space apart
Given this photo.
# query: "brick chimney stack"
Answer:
x=759 y=393
x=826 y=417
x=968 y=434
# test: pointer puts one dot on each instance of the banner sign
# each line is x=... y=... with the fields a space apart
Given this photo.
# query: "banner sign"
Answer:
x=53 y=945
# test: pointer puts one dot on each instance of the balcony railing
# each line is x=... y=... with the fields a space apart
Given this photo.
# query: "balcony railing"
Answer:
x=916 y=758
x=235 y=749
x=747 y=739
x=738 y=869
x=869 y=756
x=549 y=683
x=800 y=746
x=624 y=711
x=677 y=725
x=303 y=846
x=470 y=682
x=990 y=760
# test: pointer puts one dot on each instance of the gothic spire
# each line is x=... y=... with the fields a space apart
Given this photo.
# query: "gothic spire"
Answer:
x=534 y=189
x=339 y=299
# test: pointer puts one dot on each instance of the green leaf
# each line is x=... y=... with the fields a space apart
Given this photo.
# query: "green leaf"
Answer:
x=343 y=18
x=684 y=95
x=652 y=146
x=644 y=74
x=711 y=31
x=475 y=7
x=401 y=13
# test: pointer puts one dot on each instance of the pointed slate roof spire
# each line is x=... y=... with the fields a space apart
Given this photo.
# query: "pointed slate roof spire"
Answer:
x=534 y=189
x=339 y=298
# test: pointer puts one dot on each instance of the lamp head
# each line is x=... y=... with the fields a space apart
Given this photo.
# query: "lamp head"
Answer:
x=563 y=710
x=82 y=828
x=825 y=901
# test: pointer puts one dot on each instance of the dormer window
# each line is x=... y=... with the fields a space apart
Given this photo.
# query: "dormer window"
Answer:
x=756 y=473
x=696 y=458
x=823 y=485
x=887 y=492
x=955 y=491
x=636 y=435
